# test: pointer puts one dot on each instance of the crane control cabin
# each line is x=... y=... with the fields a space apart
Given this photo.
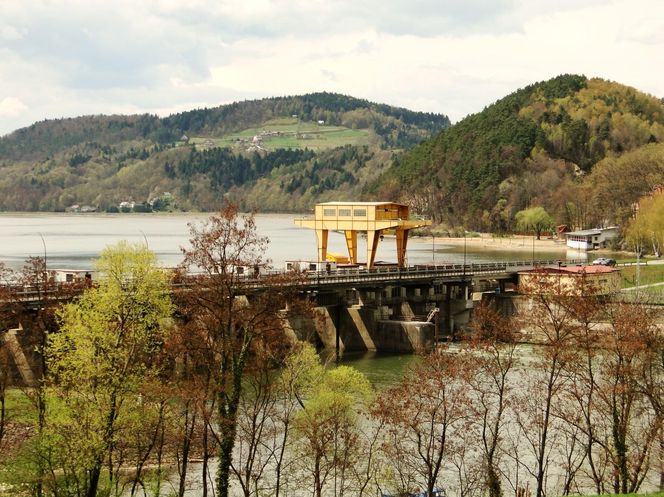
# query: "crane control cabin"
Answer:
x=371 y=217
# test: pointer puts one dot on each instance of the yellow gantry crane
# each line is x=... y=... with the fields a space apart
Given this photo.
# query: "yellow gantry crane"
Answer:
x=370 y=217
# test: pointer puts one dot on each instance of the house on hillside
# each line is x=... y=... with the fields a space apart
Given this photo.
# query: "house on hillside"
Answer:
x=570 y=280
x=591 y=239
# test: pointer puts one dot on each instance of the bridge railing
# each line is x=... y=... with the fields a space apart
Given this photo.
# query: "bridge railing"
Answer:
x=350 y=275
x=423 y=270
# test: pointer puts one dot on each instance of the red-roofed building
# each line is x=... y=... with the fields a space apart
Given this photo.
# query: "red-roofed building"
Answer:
x=571 y=280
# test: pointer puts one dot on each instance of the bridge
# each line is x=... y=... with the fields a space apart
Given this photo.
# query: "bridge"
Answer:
x=355 y=277
x=386 y=308
x=421 y=273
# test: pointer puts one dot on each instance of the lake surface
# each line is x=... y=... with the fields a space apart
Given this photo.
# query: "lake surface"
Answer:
x=74 y=241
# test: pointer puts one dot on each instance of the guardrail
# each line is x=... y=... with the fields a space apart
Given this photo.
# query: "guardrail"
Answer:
x=425 y=271
x=335 y=277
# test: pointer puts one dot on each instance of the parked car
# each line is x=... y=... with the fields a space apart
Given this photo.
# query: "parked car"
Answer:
x=604 y=261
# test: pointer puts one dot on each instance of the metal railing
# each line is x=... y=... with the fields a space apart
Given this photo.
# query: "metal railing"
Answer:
x=343 y=276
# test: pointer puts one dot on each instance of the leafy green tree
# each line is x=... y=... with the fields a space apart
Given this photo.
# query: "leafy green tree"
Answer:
x=105 y=353
x=535 y=219
x=647 y=228
x=328 y=427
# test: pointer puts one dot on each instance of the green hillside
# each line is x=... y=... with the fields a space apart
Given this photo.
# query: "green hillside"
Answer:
x=542 y=145
x=278 y=154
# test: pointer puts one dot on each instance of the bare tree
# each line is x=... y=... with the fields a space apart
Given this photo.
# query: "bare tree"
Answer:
x=421 y=414
x=235 y=314
x=552 y=323
x=493 y=359
x=634 y=426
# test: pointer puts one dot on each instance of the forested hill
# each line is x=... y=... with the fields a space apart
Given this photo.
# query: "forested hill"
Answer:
x=549 y=144
x=49 y=137
x=276 y=154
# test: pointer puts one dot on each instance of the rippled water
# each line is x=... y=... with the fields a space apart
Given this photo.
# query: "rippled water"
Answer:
x=73 y=241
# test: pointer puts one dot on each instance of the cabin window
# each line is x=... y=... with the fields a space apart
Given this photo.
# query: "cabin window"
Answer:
x=360 y=213
x=69 y=277
x=329 y=212
x=344 y=212
x=312 y=266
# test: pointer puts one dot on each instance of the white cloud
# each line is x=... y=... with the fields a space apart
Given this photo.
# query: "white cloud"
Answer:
x=10 y=33
x=11 y=107
x=63 y=58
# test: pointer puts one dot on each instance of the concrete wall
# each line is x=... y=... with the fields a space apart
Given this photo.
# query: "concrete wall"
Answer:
x=405 y=336
x=362 y=329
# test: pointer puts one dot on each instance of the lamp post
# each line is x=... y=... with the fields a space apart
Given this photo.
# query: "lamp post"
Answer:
x=433 y=249
x=145 y=238
x=638 y=267
x=464 y=252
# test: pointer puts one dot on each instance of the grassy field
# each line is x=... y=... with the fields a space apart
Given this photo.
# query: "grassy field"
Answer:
x=648 y=275
x=19 y=407
x=289 y=133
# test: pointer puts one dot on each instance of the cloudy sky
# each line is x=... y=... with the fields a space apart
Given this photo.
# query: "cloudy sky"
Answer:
x=65 y=58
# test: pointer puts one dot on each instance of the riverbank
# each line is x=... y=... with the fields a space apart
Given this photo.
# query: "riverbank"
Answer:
x=511 y=243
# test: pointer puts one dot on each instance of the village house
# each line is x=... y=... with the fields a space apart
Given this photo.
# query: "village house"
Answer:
x=570 y=280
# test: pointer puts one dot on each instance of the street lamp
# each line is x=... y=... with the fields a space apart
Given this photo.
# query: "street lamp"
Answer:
x=433 y=248
x=464 y=252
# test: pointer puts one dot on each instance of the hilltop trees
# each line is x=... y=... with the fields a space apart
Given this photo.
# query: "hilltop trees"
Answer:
x=617 y=183
x=569 y=123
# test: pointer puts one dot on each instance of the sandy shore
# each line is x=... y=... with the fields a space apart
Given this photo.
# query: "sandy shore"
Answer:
x=512 y=243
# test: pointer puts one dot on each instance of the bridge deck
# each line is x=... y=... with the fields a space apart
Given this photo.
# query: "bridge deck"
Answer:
x=354 y=277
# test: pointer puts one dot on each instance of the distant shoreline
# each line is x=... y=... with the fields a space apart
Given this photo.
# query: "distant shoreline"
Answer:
x=512 y=243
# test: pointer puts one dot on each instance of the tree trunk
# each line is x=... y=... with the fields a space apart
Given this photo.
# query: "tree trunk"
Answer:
x=227 y=416
x=225 y=458
x=108 y=437
x=318 y=484
x=2 y=415
x=186 y=446
x=545 y=430
x=493 y=481
x=94 y=479
x=661 y=462
x=206 y=458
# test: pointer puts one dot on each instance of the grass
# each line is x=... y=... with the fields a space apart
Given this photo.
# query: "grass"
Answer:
x=647 y=275
x=19 y=407
x=645 y=494
x=292 y=134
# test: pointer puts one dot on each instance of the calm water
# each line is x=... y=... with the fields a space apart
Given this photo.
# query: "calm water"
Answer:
x=73 y=241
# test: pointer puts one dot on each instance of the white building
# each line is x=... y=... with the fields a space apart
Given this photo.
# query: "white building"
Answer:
x=591 y=239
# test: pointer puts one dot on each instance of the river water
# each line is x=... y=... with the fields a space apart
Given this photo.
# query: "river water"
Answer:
x=73 y=241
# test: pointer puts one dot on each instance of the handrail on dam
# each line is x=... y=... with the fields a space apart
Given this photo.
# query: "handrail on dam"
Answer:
x=390 y=273
x=356 y=275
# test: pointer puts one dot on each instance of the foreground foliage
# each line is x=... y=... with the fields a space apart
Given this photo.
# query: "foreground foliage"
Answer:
x=132 y=397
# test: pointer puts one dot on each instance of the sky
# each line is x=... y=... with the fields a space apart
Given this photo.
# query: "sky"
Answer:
x=66 y=58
